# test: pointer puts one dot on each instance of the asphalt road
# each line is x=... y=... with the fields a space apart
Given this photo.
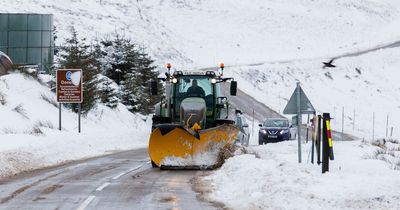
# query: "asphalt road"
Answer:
x=124 y=180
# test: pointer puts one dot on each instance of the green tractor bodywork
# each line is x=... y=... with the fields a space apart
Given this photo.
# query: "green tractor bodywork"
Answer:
x=191 y=120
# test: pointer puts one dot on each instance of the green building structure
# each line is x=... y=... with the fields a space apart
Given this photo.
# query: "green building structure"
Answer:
x=28 y=39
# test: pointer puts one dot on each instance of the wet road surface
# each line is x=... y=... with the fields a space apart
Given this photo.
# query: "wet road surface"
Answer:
x=124 y=180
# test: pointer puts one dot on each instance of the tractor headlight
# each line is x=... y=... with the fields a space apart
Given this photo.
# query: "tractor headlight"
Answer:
x=283 y=131
x=174 y=80
x=213 y=81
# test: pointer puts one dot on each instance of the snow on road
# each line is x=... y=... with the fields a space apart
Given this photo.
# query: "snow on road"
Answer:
x=272 y=179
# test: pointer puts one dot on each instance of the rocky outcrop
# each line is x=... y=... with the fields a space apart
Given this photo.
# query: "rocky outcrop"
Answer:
x=5 y=63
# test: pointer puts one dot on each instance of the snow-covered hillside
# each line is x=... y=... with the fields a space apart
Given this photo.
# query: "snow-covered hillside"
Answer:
x=206 y=32
x=288 y=39
x=362 y=85
x=29 y=135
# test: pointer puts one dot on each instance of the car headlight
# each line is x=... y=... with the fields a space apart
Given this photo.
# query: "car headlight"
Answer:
x=263 y=131
x=283 y=131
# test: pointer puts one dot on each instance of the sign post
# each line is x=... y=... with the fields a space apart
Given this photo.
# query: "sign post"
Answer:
x=69 y=90
x=299 y=104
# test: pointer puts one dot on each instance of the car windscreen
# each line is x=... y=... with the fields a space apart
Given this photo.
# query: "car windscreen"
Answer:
x=276 y=123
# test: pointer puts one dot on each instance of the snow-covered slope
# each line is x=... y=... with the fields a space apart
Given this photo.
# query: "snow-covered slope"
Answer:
x=206 y=32
x=290 y=38
x=29 y=135
x=362 y=85
x=274 y=180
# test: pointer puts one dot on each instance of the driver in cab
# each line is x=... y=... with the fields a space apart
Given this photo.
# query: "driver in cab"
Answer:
x=195 y=90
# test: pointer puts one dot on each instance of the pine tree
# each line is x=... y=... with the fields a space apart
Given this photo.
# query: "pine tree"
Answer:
x=120 y=58
x=77 y=55
x=108 y=94
x=128 y=92
x=147 y=72
x=132 y=69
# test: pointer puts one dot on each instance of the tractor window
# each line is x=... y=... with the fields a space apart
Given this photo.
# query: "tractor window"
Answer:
x=195 y=86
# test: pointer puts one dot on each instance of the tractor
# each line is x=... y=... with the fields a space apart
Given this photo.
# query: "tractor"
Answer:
x=192 y=122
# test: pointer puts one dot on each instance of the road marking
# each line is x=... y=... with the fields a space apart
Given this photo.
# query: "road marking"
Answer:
x=103 y=186
x=119 y=175
x=86 y=202
x=130 y=170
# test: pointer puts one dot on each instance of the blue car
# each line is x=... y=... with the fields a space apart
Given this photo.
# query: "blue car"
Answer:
x=274 y=130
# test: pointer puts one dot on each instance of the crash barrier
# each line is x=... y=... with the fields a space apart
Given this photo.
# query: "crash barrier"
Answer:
x=322 y=123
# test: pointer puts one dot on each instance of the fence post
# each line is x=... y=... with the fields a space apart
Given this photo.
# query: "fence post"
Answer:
x=387 y=124
x=354 y=119
x=373 y=126
x=391 y=132
x=319 y=140
x=313 y=137
x=342 y=122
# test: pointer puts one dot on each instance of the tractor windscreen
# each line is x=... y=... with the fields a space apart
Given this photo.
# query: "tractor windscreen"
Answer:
x=195 y=86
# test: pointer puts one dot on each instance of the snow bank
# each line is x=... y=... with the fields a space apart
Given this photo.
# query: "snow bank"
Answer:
x=277 y=181
x=29 y=135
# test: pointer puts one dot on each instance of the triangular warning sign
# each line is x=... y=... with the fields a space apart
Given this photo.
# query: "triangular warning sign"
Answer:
x=305 y=105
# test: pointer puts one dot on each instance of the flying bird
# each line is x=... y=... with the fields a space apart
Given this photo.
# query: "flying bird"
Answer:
x=329 y=64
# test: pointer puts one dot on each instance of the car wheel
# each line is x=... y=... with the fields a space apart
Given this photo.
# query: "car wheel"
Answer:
x=154 y=165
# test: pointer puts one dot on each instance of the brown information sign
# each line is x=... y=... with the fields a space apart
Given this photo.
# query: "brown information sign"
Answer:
x=69 y=85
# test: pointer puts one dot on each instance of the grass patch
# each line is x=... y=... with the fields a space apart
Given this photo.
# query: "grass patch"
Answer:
x=388 y=151
x=9 y=131
x=44 y=124
x=37 y=128
x=20 y=110
x=3 y=100
x=49 y=100
x=36 y=131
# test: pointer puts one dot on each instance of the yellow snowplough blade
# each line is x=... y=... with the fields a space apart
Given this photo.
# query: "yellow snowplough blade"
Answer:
x=176 y=146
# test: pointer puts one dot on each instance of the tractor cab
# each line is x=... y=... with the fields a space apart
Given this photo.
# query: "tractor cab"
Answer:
x=196 y=96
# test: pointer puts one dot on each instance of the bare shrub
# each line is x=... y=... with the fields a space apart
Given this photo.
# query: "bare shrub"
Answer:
x=379 y=143
x=388 y=156
x=20 y=110
x=329 y=75
x=9 y=131
x=44 y=124
x=36 y=131
x=3 y=100
x=49 y=100
x=394 y=141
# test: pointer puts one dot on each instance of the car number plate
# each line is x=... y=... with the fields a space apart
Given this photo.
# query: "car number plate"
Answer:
x=273 y=137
